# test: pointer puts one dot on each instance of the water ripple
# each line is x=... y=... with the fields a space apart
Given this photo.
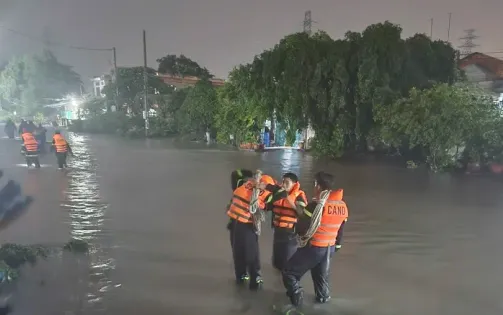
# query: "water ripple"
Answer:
x=87 y=216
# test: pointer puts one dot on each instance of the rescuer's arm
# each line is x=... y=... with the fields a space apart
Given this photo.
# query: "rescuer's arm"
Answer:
x=300 y=205
x=308 y=210
x=338 y=240
x=69 y=149
x=229 y=223
x=277 y=193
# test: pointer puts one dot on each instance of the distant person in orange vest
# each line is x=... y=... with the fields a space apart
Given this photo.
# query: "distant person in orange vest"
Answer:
x=62 y=148
x=30 y=148
x=320 y=230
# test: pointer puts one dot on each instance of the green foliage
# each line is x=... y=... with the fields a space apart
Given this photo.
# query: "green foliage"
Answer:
x=131 y=87
x=182 y=66
x=30 y=82
x=443 y=121
x=94 y=107
x=14 y=256
x=199 y=108
x=38 y=118
x=112 y=122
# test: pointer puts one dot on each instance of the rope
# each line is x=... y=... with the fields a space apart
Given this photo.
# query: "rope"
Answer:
x=257 y=214
x=315 y=219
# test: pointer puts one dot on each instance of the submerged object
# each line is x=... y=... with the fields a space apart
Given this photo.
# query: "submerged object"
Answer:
x=12 y=201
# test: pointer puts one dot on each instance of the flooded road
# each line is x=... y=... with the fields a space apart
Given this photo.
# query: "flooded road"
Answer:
x=154 y=213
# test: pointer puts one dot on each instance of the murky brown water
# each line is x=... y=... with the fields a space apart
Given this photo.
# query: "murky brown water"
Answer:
x=154 y=211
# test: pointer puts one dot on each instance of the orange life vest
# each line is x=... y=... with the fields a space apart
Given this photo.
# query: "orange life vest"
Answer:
x=60 y=143
x=29 y=142
x=335 y=212
x=239 y=208
x=284 y=215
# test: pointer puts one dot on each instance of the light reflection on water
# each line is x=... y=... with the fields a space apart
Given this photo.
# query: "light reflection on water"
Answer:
x=87 y=215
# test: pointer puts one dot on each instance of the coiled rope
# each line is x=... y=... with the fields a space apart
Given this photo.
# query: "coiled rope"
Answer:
x=257 y=214
x=315 y=219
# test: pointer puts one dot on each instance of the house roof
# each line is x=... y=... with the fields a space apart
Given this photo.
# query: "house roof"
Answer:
x=187 y=80
x=489 y=63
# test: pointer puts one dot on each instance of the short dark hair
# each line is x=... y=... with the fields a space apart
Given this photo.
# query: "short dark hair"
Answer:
x=239 y=177
x=291 y=176
x=324 y=180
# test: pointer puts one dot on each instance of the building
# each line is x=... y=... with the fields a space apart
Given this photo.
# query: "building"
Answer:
x=98 y=83
x=485 y=70
x=183 y=82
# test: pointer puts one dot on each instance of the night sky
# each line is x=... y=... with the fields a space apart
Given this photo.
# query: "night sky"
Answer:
x=220 y=34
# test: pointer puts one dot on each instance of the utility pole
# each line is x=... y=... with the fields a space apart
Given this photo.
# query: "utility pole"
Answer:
x=431 y=28
x=468 y=44
x=116 y=78
x=449 y=28
x=145 y=82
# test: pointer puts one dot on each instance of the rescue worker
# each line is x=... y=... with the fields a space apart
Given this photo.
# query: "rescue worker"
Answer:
x=41 y=136
x=320 y=228
x=238 y=177
x=30 y=148
x=10 y=129
x=244 y=239
x=284 y=219
x=62 y=148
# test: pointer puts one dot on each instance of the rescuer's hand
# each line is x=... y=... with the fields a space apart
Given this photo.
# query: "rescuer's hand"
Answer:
x=262 y=186
x=292 y=204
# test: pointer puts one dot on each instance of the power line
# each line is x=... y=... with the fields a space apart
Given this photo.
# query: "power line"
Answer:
x=45 y=41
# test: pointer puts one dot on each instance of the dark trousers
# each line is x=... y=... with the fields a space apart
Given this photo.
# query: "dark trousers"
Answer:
x=32 y=159
x=283 y=247
x=61 y=157
x=245 y=250
x=316 y=259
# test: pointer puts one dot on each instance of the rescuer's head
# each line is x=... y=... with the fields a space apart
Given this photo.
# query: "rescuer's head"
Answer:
x=24 y=130
x=239 y=177
x=289 y=180
x=323 y=181
x=57 y=132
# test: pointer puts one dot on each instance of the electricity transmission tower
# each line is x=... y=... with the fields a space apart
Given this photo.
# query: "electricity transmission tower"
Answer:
x=468 y=44
x=308 y=22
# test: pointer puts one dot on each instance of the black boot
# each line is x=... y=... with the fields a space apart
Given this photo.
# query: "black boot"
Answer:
x=242 y=280
x=297 y=298
x=256 y=284
x=322 y=300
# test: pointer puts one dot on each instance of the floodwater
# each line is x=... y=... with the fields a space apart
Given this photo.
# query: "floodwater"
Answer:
x=415 y=243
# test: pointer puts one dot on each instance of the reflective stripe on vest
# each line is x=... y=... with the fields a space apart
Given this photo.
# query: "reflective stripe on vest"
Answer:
x=239 y=209
x=30 y=143
x=335 y=212
x=284 y=215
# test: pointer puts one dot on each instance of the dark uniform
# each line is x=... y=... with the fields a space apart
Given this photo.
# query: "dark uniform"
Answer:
x=243 y=236
x=315 y=256
x=284 y=219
